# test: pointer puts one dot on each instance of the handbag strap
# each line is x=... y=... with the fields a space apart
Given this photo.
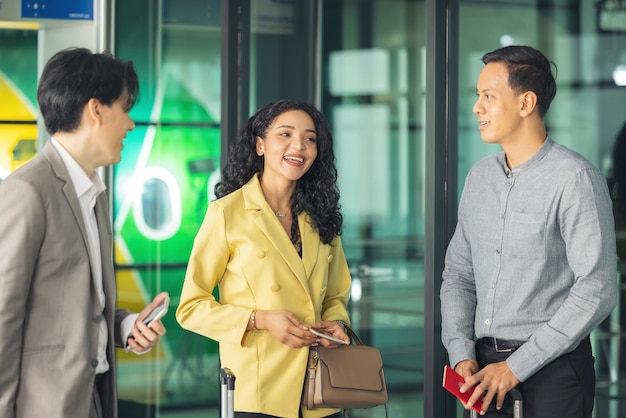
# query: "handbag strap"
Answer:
x=312 y=368
x=353 y=335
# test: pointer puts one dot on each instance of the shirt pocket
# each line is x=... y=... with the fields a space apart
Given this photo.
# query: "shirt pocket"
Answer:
x=525 y=237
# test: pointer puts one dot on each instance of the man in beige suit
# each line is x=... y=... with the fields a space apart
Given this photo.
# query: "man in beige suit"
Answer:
x=58 y=321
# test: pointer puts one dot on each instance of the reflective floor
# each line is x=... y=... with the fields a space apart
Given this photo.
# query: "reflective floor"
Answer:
x=610 y=403
x=398 y=408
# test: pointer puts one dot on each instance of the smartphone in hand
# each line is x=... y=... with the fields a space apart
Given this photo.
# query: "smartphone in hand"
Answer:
x=158 y=312
x=328 y=337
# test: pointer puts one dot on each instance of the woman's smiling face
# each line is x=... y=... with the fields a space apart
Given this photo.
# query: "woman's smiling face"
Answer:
x=290 y=145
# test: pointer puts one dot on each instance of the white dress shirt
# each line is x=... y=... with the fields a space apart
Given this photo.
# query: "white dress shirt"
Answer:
x=87 y=190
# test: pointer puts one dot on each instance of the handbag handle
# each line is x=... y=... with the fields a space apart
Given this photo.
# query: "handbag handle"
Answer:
x=352 y=335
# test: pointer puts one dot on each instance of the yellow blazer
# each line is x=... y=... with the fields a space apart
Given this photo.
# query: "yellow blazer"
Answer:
x=242 y=248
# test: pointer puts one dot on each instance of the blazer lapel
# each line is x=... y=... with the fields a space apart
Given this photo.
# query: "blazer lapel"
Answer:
x=105 y=235
x=269 y=225
x=58 y=166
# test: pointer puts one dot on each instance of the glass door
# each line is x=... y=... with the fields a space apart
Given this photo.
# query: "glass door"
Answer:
x=161 y=189
x=18 y=89
x=373 y=92
x=367 y=77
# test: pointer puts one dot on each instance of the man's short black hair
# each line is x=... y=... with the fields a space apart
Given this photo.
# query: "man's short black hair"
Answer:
x=529 y=70
x=73 y=76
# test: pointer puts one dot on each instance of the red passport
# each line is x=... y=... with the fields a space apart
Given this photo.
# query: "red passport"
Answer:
x=452 y=382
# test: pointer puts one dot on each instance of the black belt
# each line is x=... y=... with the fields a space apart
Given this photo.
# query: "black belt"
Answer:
x=501 y=346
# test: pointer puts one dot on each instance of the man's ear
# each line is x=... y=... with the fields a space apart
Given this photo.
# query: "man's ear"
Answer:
x=528 y=103
x=93 y=111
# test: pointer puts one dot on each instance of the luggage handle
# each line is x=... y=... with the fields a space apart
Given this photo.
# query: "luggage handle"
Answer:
x=227 y=398
x=516 y=395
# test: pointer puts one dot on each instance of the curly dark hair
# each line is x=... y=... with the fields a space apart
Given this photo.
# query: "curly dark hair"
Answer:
x=316 y=191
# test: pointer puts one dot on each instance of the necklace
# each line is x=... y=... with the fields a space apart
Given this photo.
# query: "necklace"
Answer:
x=279 y=214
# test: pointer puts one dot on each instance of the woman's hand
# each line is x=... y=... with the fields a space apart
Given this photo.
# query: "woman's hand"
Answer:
x=332 y=328
x=285 y=327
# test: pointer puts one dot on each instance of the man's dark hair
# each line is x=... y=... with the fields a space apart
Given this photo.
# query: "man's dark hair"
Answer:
x=529 y=70
x=73 y=76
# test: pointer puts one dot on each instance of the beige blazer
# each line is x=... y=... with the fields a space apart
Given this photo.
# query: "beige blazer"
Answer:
x=49 y=313
x=242 y=247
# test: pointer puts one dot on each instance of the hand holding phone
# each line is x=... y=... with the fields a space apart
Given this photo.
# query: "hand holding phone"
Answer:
x=158 y=312
x=328 y=337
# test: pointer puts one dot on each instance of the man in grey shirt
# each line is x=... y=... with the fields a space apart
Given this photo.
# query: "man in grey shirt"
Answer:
x=531 y=268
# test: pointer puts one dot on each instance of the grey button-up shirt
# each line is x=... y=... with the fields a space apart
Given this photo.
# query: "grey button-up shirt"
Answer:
x=533 y=258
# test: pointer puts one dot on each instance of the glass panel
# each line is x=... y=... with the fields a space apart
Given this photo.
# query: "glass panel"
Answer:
x=588 y=44
x=161 y=189
x=18 y=90
x=373 y=94
x=282 y=51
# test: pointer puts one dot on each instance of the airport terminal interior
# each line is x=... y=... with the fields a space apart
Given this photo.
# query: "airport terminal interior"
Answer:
x=396 y=80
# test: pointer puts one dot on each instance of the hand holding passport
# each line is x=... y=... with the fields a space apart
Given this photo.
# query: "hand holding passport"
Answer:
x=452 y=382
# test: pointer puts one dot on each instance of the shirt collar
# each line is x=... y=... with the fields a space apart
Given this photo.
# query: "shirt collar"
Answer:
x=535 y=159
x=82 y=183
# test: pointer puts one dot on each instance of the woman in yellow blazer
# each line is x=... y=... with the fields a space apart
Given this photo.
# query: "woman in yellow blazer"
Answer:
x=271 y=243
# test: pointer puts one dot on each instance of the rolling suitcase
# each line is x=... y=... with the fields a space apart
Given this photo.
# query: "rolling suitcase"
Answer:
x=517 y=404
x=227 y=393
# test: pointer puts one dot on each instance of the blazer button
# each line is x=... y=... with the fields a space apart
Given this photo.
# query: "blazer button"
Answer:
x=97 y=319
x=94 y=363
x=329 y=259
x=275 y=287
x=260 y=254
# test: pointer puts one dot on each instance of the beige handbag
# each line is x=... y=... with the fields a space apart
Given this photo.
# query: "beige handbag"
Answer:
x=349 y=376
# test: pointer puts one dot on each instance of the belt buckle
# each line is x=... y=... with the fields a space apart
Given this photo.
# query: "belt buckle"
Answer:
x=501 y=350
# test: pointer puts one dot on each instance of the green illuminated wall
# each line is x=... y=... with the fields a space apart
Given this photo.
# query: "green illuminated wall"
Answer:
x=18 y=91
x=163 y=184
